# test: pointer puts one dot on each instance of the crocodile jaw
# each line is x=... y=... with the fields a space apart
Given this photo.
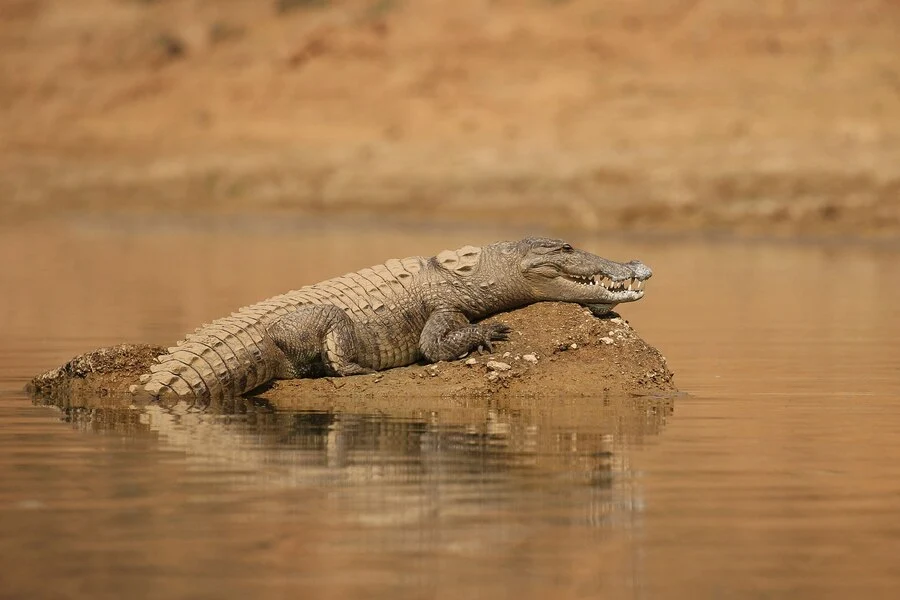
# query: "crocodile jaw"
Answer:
x=602 y=289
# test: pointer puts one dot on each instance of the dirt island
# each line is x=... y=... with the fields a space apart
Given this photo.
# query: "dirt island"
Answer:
x=555 y=349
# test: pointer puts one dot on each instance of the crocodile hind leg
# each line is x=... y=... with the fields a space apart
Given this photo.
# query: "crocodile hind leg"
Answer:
x=317 y=338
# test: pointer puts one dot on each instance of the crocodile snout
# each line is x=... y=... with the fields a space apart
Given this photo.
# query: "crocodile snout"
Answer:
x=641 y=271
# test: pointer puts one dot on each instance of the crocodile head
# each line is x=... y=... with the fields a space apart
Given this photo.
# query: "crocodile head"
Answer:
x=554 y=270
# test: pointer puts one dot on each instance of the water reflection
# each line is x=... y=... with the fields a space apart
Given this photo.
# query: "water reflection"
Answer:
x=553 y=460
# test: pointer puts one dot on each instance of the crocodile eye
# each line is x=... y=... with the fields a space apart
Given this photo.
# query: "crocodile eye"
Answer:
x=567 y=248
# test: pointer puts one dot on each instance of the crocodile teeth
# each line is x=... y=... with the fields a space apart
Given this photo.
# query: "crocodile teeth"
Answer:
x=632 y=284
x=583 y=279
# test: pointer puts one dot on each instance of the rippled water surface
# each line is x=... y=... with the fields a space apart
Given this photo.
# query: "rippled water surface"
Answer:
x=778 y=475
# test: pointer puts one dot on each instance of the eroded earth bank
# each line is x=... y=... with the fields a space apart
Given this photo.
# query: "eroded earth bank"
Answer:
x=776 y=117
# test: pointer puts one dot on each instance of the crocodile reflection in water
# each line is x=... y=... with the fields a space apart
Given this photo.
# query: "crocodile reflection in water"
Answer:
x=575 y=449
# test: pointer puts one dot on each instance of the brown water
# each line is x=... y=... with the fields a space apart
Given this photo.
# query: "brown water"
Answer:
x=777 y=476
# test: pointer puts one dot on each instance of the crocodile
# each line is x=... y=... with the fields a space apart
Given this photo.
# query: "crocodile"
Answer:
x=388 y=315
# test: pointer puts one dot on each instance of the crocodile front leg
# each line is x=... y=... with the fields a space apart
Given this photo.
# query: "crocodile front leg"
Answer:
x=316 y=338
x=447 y=335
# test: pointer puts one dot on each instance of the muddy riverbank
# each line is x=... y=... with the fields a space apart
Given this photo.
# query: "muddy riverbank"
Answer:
x=775 y=118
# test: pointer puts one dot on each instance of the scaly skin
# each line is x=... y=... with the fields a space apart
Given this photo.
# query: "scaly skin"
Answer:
x=389 y=315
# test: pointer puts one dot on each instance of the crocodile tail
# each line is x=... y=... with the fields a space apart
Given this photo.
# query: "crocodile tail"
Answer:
x=223 y=359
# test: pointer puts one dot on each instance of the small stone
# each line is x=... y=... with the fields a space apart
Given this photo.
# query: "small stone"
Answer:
x=471 y=362
x=573 y=346
x=529 y=358
x=493 y=376
x=496 y=365
x=606 y=340
x=506 y=355
x=133 y=389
